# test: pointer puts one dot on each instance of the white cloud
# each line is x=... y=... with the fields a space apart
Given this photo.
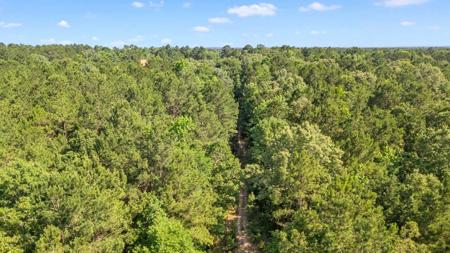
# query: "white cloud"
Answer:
x=407 y=23
x=166 y=41
x=201 y=29
x=262 y=9
x=269 y=35
x=49 y=41
x=9 y=25
x=435 y=28
x=52 y=41
x=95 y=38
x=400 y=3
x=187 y=5
x=137 y=4
x=316 y=32
x=117 y=43
x=136 y=39
x=219 y=20
x=63 y=24
x=157 y=5
x=316 y=6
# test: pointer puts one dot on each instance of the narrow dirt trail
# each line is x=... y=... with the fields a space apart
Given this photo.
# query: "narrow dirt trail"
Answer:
x=244 y=243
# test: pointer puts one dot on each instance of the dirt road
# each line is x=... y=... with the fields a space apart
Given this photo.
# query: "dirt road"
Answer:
x=244 y=243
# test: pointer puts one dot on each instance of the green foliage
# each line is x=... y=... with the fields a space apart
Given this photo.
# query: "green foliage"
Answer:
x=348 y=150
x=76 y=208
x=158 y=233
x=85 y=133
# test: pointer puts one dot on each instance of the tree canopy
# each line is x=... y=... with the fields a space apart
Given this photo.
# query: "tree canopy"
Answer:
x=348 y=150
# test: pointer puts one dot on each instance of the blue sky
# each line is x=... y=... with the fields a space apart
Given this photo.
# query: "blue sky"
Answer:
x=338 y=23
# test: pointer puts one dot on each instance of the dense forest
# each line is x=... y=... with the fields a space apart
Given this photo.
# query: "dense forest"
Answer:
x=346 y=150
